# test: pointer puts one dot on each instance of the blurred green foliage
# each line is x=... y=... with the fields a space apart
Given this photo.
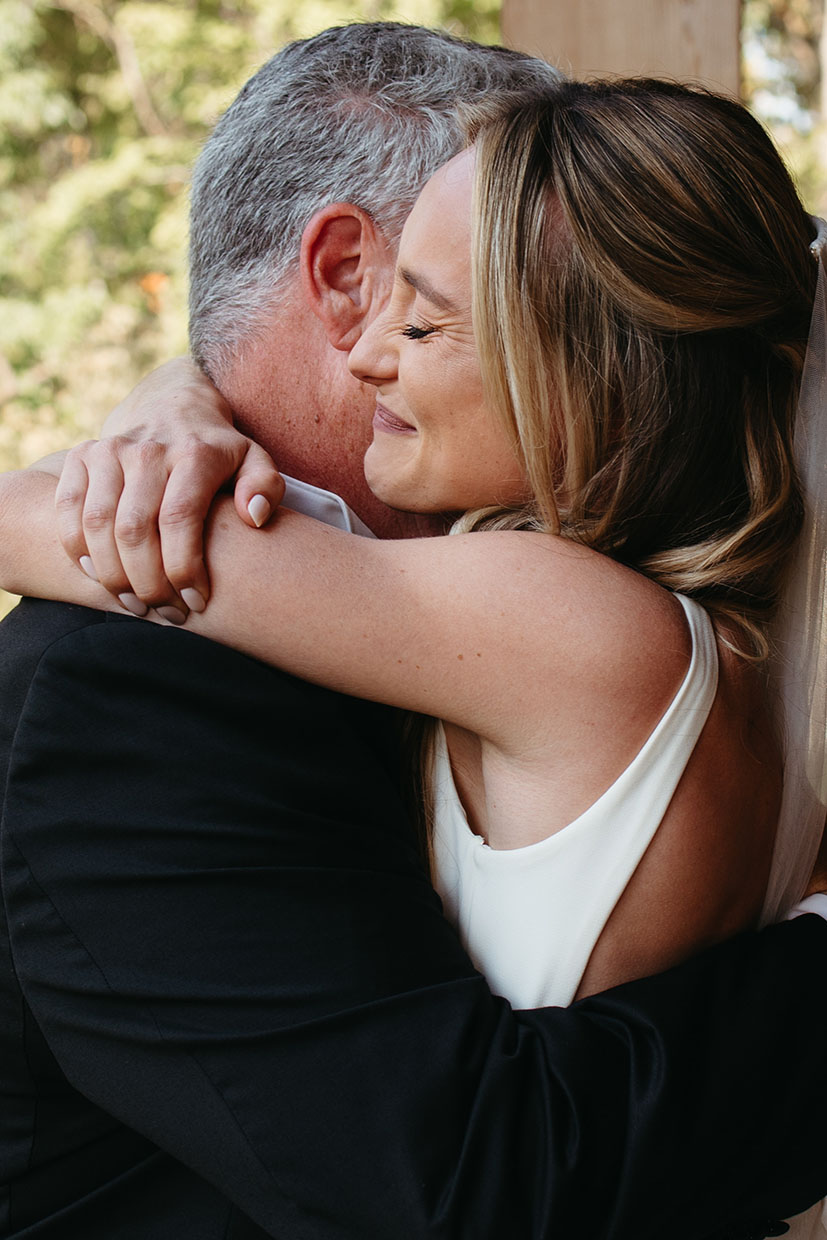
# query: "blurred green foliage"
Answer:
x=103 y=105
x=784 y=46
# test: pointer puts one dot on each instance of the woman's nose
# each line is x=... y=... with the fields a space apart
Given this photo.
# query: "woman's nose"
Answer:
x=373 y=358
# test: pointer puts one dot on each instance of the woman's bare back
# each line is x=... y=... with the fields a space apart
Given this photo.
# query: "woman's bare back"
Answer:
x=705 y=873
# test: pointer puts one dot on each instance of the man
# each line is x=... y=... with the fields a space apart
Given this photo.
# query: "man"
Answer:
x=231 y=1005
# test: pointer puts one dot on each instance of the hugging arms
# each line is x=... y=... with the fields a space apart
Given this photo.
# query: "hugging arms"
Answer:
x=514 y=1103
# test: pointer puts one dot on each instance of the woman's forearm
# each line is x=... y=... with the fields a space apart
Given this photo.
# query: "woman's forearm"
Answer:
x=176 y=393
x=422 y=624
x=379 y=620
x=32 y=560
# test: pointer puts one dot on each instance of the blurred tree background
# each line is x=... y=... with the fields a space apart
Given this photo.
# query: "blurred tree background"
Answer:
x=103 y=105
x=785 y=84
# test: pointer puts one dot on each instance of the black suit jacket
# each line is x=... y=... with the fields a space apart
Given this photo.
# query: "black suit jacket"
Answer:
x=231 y=1006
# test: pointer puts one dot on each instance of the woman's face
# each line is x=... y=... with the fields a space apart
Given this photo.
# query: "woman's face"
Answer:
x=437 y=447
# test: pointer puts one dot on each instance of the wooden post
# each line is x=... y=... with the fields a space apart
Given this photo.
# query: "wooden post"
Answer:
x=697 y=40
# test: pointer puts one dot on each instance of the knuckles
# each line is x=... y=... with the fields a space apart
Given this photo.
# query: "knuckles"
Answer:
x=177 y=513
x=97 y=517
x=69 y=499
x=132 y=527
x=146 y=454
x=80 y=451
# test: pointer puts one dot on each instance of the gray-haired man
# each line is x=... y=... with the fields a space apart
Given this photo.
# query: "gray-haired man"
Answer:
x=232 y=1007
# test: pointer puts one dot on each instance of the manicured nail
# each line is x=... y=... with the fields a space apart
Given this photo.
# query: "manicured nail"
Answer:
x=88 y=567
x=259 y=509
x=132 y=603
x=193 y=599
x=173 y=615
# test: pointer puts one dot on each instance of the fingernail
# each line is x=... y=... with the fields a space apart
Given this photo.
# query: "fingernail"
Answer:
x=88 y=567
x=193 y=599
x=259 y=510
x=132 y=603
x=173 y=615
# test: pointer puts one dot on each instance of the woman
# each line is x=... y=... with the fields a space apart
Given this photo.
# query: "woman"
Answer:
x=592 y=350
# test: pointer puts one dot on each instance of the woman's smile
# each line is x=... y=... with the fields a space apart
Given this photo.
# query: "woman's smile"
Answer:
x=385 y=420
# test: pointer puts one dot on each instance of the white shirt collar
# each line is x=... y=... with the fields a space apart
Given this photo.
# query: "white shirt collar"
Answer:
x=323 y=505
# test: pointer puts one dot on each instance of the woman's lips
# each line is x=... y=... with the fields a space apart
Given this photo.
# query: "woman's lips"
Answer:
x=384 y=420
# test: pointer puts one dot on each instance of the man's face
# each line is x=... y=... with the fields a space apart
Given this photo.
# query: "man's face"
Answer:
x=292 y=392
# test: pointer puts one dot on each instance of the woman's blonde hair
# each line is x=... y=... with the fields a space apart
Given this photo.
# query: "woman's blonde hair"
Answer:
x=642 y=297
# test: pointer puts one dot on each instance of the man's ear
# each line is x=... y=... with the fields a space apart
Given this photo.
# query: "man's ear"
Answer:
x=345 y=271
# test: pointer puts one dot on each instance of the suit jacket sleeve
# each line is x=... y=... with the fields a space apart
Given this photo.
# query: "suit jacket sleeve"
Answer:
x=222 y=928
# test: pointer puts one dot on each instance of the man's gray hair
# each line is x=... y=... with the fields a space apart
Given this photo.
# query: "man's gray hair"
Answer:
x=363 y=114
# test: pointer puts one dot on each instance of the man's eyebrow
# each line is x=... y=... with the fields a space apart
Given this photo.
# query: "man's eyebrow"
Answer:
x=427 y=290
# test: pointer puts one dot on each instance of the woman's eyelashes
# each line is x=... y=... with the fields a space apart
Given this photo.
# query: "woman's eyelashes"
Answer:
x=413 y=332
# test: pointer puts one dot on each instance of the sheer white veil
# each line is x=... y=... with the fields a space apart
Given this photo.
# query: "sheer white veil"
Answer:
x=798 y=667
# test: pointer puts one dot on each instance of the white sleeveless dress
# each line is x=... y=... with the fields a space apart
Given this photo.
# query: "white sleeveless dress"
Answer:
x=530 y=917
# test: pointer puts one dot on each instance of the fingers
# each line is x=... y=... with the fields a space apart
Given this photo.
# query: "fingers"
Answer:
x=87 y=499
x=131 y=512
x=103 y=494
x=137 y=537
x=108 y=502
x=159 y=526
x=259 y=487
x=70 y=497
x=191 y=489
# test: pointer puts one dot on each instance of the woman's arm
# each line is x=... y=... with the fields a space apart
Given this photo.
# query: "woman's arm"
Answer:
x=177 y=392
x=442 y=626
x=545 y=650
x=485 y=631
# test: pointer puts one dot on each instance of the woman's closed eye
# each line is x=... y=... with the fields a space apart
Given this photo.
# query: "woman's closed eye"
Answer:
x=412 y=331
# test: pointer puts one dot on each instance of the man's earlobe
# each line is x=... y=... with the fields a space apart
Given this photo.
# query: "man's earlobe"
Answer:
x=345 y=265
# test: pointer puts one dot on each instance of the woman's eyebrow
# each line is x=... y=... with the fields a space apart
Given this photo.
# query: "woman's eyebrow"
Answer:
x=423 y=286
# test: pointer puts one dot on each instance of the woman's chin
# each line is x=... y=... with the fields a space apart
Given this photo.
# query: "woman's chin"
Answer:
x=406 y=485
x=389 y=484
x=399 y=497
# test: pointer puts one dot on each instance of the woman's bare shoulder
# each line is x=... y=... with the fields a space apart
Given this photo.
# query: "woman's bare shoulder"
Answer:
x=617 y=630
x=596 y=604
x=609 y=650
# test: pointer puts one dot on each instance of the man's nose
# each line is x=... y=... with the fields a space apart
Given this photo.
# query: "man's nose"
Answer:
x=373 y=358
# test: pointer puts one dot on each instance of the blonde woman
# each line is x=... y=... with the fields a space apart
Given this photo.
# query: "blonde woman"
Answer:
x=592 y=351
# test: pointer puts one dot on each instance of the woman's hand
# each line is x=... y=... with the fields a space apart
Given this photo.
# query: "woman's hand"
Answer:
x=131 y=507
